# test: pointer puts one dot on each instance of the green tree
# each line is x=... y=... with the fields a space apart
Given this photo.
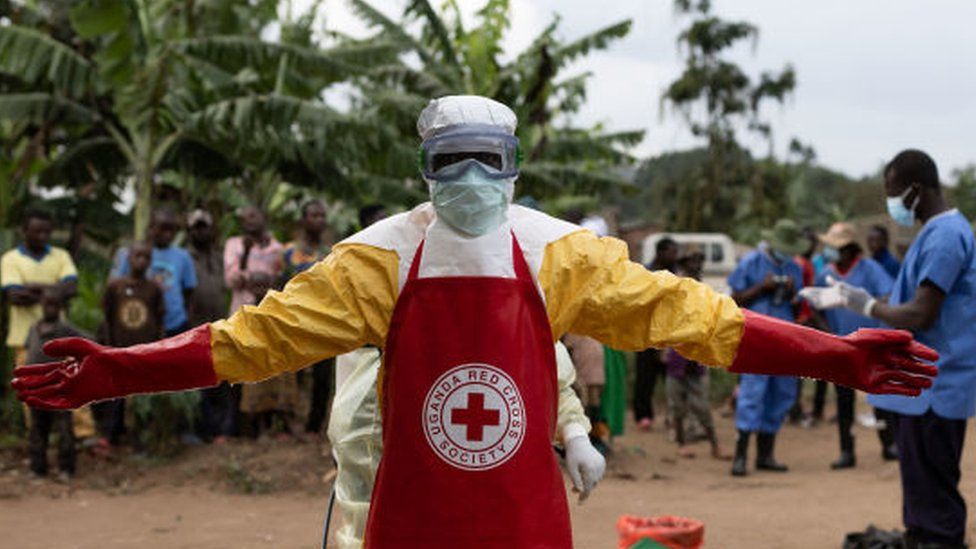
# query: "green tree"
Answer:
x=964 y=191
x=440 y=55
x=127 y=90
x=718 y=101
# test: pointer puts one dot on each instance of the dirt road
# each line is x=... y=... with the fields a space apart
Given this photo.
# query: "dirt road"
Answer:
x=200 y=500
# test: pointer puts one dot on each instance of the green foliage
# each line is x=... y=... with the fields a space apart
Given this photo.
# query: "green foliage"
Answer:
x=455 y=59
x=160 y=419
x=86 y=307
x=11 y=416
x=810 y=194
x=122 y=93
x=38 y=59
x=718 y=100
x=964 y=191
x=243 y=481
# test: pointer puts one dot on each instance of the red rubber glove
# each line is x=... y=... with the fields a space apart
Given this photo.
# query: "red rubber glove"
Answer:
x=870 y=360
x=90 y=372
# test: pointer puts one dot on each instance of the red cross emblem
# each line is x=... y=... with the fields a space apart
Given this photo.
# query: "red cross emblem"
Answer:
x=475 y=417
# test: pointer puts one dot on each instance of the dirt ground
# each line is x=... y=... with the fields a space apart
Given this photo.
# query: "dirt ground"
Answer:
x=271 y=494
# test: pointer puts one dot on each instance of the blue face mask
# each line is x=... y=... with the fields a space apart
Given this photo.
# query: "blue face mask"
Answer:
x=473 y=202
x=902 y=215
x=831 y=254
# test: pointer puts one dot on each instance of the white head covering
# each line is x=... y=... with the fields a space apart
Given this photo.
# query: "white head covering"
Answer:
x=597 y=225
x=454 y=110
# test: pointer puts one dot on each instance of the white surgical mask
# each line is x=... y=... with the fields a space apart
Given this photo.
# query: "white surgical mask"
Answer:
x=473 y=203
x=902 y=215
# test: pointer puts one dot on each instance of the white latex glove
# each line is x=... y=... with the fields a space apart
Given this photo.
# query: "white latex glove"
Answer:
x=855 y=299
x=823 y=298
x=585 y=465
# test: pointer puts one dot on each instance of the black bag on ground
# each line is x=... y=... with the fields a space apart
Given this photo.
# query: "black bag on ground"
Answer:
x=874 y=538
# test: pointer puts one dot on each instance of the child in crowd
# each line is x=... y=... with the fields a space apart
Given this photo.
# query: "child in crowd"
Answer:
x=687 y=381
x=44 y=421
x=134 y=308
x=270 y=404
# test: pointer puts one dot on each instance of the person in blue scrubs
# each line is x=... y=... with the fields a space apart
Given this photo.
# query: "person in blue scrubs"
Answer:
x=934 y=296
x=766 y=281
x=878 y=243
x=849 y=265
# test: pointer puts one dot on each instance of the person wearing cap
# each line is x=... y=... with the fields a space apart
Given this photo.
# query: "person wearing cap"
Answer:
x=209 y=304
x=765 y=281
x=804 y=316
x=356 y=433
x=467 y=295
x=848 y=264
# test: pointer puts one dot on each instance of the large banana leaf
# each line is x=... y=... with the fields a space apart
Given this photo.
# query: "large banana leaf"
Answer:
x=598 y=40
x=39 y=60
x=392 y=30
x=235 y=53
x=83 y=162
x=437 y=28
x=41 y=107
x=580 y=145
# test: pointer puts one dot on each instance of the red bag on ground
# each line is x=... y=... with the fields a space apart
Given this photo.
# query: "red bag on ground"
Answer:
x=660 y=532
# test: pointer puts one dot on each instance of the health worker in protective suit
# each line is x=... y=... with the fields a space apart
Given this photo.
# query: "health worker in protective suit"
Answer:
x=467 y=295
x=355 y=432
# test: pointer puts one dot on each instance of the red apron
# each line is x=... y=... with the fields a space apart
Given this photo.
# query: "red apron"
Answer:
x=469 y=410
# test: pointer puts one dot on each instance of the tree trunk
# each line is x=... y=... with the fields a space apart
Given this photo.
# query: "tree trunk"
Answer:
x=143 y=206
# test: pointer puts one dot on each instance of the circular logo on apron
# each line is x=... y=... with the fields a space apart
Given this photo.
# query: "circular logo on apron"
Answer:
x=474 y=417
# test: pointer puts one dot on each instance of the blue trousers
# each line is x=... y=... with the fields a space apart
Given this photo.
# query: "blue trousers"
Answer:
x=763 y=402
x=929 y=450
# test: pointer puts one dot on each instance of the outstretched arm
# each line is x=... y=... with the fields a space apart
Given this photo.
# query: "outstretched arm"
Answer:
x=341 y=304
x=592 y=288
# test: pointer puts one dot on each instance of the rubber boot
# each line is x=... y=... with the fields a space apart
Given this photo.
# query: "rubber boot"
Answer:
x=764 y=458
x=847 y=459
x=741 y=451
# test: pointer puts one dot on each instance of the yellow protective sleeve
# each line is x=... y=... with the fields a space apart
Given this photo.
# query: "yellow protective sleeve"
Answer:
x=342 y=303
x=592 y=288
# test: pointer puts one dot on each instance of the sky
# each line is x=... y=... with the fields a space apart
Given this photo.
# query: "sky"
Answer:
x=873 y=76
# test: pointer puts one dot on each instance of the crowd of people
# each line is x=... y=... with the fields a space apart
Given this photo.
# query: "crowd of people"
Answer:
x=157 y=289
x=830 y=281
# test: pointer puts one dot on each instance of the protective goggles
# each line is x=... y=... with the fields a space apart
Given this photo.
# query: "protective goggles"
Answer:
x=444 y=156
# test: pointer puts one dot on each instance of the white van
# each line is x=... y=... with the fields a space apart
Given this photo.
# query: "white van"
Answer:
x=719 y=252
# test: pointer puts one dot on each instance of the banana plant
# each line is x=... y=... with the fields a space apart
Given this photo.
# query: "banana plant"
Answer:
x=439 y=55
x=135 y=88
